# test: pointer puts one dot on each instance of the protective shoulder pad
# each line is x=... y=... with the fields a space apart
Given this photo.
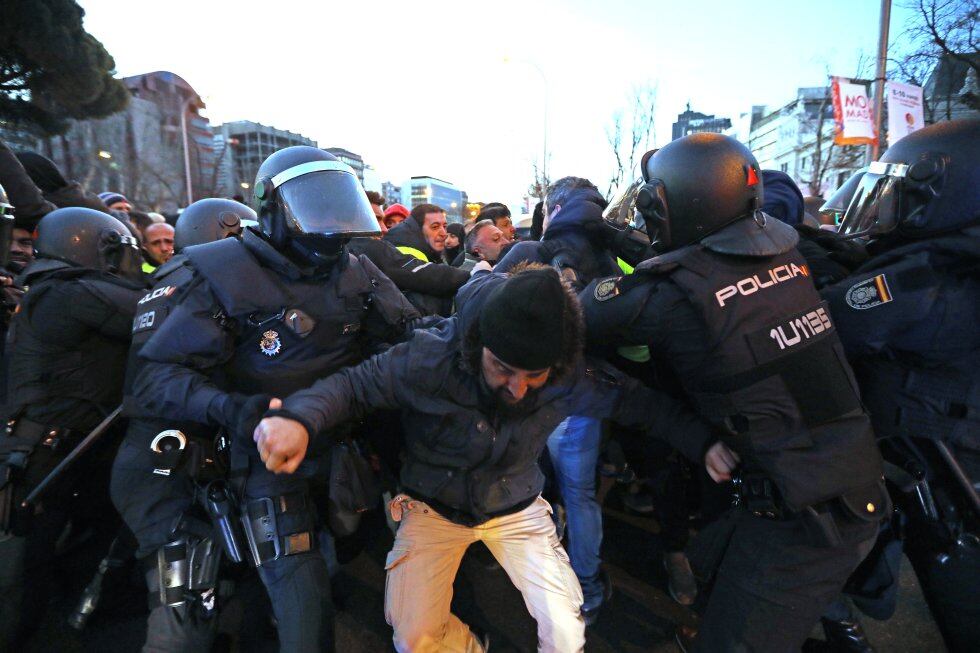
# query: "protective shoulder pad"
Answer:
x=239 y=283
x=175 y=263
x=664 y=263
x=359 y=277
x=114 y=294
x=761 y=236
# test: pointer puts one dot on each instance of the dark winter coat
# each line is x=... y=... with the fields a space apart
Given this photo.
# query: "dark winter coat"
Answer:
x=407 y=272
x=408 y=233
x=464 y=454
x=572 y=242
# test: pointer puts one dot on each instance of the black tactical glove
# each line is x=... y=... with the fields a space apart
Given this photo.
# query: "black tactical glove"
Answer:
x=239 y=414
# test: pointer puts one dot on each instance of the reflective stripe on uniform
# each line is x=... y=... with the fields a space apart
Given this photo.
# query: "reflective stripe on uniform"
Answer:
x=637 y=353
x=411 y=251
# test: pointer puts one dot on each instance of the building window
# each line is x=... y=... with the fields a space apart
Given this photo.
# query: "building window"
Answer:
x=784 y=167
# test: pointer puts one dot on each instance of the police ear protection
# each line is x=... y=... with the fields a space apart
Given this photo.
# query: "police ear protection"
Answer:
x=651 y=203
x=264 y=189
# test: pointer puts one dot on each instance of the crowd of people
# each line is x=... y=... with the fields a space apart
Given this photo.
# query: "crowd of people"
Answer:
x=236 y=388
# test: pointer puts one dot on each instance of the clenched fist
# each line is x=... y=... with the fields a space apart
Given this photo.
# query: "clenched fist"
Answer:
x=720 y=462
x=281 y=442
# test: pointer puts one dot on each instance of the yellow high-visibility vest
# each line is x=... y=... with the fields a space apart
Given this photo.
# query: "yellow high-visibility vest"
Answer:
x=637 y=353
x=411 y=251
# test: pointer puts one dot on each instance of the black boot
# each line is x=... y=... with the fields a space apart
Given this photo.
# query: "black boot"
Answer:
x=846 y=636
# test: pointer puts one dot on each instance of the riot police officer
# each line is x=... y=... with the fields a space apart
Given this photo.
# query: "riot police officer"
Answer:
x=908 y=319
x=729 y=309
x=68 y=346
x=161 y=500
x=270 y=314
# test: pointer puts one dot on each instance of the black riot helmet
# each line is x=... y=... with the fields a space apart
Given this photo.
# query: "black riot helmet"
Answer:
x=694 y=186
x=87 y=238
x=310 y=204
x=6 y=227
x=927 y=183
x=208 y=220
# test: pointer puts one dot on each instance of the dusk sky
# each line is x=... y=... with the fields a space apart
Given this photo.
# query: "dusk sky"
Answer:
x=453 y=89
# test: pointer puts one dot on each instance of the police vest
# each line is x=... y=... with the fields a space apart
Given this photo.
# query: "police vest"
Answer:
x=154 y=306
x=152 y=309
x=287 y=333
x=925 y=383
x=42 y=370
x=774 y=374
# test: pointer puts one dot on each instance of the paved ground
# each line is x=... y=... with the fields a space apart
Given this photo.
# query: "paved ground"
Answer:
x=639 y=618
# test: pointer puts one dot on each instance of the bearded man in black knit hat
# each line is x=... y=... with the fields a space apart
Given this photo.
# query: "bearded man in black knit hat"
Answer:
x=479 y=394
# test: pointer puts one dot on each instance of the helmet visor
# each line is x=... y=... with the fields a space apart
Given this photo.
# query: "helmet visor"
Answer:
x=621 y=211
x=836 y=205
x=124 y=259
x=874 y=207
x=328 y=203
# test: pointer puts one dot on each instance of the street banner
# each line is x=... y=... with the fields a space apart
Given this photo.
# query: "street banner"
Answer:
x=904 y=110
x=852 y=113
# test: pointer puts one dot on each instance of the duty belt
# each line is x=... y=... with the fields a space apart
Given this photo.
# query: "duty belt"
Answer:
x=52 y=437
x=758 y=494
x=199 y=458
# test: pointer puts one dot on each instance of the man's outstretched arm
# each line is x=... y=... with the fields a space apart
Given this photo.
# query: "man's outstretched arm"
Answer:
x=377 y=383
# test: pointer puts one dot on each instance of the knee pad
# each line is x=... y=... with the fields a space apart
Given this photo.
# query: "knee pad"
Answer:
x=185 y=569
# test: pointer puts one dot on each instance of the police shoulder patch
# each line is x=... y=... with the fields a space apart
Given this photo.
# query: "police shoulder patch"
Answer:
x=607 y=289
x=869 y=293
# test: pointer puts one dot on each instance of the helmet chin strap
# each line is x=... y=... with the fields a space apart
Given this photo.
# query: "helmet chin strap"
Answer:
x=318 y=262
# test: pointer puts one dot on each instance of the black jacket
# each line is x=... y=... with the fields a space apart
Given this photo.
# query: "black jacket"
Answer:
x=272 y=335
x=68 y=345
x=408 y=233
x=737 y=322
x=908 y=319
x=463 y=454
x=409 y=273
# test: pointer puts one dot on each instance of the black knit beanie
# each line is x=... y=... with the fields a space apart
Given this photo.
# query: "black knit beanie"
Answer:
x=522 y=321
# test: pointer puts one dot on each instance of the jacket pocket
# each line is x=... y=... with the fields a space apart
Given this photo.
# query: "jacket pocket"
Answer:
x=395 y=593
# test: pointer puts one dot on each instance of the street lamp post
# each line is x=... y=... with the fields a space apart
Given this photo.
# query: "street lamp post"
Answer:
x=544 y=147
x=187 y=153
x=886 y=11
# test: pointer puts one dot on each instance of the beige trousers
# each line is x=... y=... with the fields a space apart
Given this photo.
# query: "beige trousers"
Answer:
x=425 y=558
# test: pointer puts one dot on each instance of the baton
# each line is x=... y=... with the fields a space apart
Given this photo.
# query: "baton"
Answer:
x=72 y=456
x=964 y=481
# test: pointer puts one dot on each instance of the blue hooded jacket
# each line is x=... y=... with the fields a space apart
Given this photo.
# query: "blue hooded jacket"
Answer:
x=783 y=199
x=573 y=241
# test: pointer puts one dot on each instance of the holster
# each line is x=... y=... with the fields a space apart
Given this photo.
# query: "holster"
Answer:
x=278 y=526
x=226 y=520
x=16 y=447
x=758 y=494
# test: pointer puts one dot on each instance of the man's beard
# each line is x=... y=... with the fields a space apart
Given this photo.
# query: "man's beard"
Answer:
x=525 y=406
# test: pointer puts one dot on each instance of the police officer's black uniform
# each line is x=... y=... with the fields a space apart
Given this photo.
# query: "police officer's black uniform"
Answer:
x=264 y=317
x=730 y=310
x=908 y=318
x=68 y=347
x=159 y=485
